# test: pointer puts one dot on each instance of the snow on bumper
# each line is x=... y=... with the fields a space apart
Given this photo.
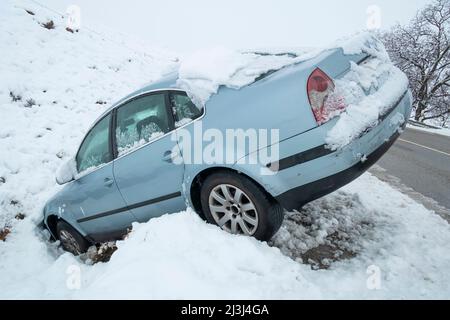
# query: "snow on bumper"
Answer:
x=305 y=179
x=370 y=89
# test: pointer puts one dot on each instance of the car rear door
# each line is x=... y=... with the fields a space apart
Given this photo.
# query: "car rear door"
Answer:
x=144 y=169
x=94 y=199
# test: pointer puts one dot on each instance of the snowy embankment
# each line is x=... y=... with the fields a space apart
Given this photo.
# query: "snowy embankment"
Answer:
x=53 y=85
x=372 y=250
x=365 y=241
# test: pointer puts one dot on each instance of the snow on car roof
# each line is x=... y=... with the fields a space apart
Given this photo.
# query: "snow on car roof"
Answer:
x=203 y=72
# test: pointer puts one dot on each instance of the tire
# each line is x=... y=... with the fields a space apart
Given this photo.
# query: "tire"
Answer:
x=71 y=240
x=224 y=206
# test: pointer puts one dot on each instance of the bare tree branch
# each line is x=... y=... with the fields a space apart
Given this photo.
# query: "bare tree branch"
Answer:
x=422 y=50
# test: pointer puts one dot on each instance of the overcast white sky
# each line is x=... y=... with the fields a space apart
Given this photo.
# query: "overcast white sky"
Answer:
x=184 y=25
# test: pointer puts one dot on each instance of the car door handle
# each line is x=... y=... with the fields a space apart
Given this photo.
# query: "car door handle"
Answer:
x=108 y=182
x=169 y=155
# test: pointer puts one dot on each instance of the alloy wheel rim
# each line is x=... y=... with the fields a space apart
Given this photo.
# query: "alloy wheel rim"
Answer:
x=233 y=210
x=69 y=243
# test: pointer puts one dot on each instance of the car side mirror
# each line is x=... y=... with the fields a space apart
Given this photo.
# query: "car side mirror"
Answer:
x=66 y=172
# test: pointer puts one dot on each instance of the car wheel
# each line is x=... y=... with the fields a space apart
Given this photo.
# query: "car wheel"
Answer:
x=71 y=240
x=239 y=206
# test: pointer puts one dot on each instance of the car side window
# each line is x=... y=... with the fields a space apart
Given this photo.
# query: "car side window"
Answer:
x=94 y=151
x=140 y=121
x=184 y=110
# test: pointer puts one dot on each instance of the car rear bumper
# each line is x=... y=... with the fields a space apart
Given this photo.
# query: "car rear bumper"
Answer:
x=325 y=171
x=297 y=197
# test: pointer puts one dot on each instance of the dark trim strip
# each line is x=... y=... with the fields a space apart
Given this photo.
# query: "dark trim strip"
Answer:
x=102 y=214
x=322 y=150
x=152 y=201
x=169 y=111
x=133 y=206
x=300 y=158
x=112 y=134
x=364 y=59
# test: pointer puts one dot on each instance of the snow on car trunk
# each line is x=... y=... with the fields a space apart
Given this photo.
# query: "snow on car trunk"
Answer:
x=368 y=240
x=369 y=89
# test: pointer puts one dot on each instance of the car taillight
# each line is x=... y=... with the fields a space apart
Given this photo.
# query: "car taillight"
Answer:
x=324 y=103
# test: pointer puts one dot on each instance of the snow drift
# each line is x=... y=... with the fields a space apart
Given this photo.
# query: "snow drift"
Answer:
x=179 y=256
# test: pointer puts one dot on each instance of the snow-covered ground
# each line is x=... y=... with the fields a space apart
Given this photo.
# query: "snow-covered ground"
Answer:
x=367 y=240
x=375 y=242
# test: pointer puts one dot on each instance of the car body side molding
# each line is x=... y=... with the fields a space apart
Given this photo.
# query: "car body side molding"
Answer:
x=130 y=207
x=300 y=158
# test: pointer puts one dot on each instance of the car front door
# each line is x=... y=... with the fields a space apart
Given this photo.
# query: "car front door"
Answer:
x=94 y=198
x=145 y=172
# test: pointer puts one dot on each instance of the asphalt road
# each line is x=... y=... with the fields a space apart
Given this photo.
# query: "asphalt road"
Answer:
x=421 y=161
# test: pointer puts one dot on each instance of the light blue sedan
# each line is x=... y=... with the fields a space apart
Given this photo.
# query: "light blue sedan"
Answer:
x=136 y=162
